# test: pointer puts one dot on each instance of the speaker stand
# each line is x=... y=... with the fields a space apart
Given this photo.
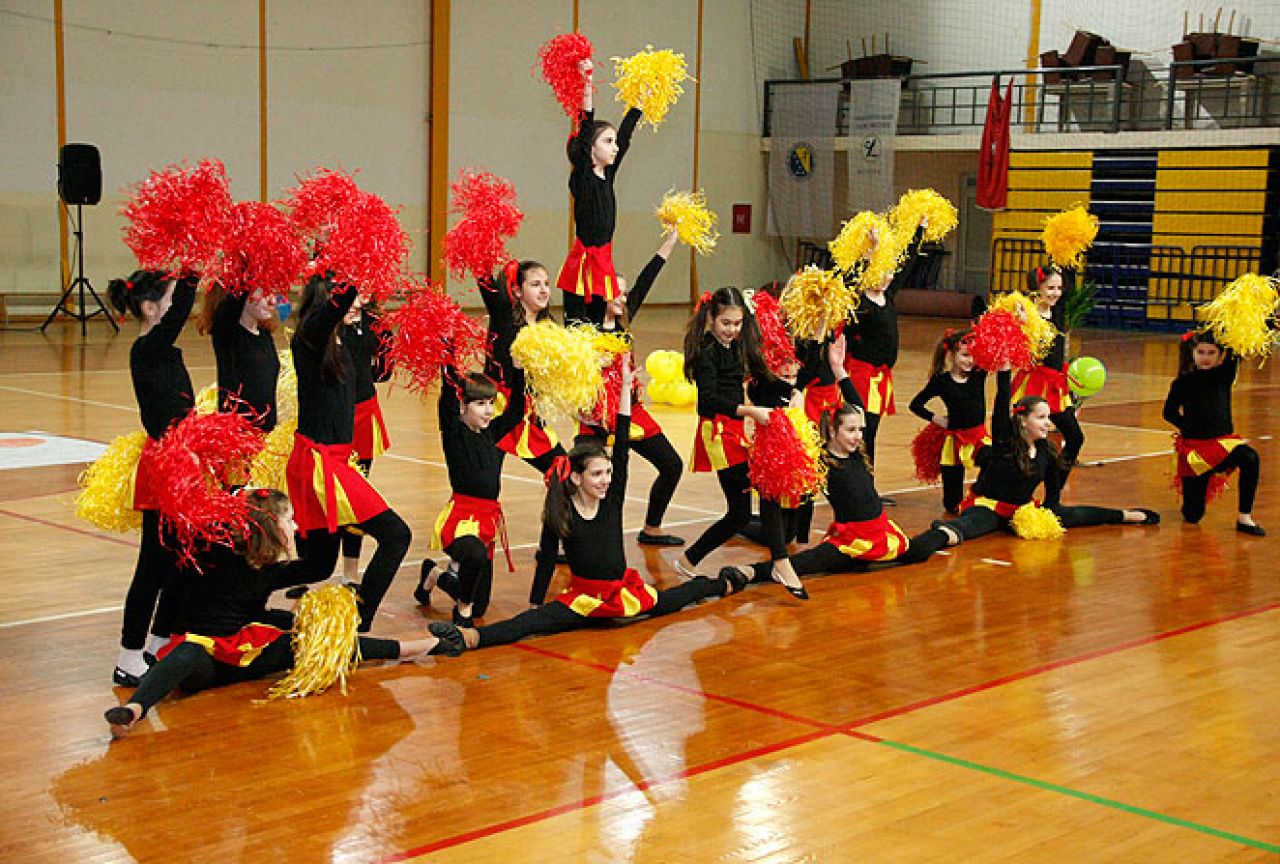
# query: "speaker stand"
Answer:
x=80 y=284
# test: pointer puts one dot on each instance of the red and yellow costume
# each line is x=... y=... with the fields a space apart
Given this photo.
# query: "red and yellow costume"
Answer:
x=370 y=440
x=144 y=484
x=1046 y=382
x=468 y=516
x=326 y=489
x=821 y=399
x=718 y=444
x=878 y=539
x=609 y=598
x=239 y=649
x=529 y=439
x=589 y=272
x=874 y=384
x=1193 y=457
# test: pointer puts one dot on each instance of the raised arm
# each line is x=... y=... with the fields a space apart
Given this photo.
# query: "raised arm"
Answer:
x=625 y=130
x=166 y=331
x=1001 y=421
x=622 y=435
x=640 y=288
x=514 y=411
x=316 y=327
x=835 y=359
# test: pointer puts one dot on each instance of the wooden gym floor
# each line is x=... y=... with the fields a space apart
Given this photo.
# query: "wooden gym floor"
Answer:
x=1109 y=697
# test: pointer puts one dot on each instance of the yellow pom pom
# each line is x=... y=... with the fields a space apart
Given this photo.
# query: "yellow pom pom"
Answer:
x=612 y=342
x=1031 y=522
x=326 y=645
x=286 y=387
x=106 y=497
x=650 y=80
x=1040 y=331
x=814 y=301
x=1068 y=235
x=561 y=367
x=695 y=225
x=917 y=205
x=868 y=246
x=207 y=399
x=1240 y=317
x=811 y=440
x=267 y=471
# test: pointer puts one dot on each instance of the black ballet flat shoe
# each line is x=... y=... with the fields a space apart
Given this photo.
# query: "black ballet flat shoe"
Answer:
x=451 y=643
x=1251 y=530
x=296 y=592
x=1151 y=517
x=734 y=578
x=121 y=720
x=422 y=593
x=460 y=620
x=644 y=538
x=799 y=592
x=122 y=678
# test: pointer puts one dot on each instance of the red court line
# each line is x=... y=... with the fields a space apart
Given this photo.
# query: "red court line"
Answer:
x=823 y=730
x=71 y=528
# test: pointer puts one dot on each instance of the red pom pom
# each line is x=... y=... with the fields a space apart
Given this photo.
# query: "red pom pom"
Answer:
x=779 y=348
x=261 y=251
x=476 y=244
x=998 y=338
x=611 y=396
x=780 y=466
x=353 y=234
x=430 y=330
x=200 y=458
x=926 y=450
x=178 y=217
x=559 y=58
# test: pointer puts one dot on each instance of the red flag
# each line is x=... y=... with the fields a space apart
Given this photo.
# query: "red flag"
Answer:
x=993 y=157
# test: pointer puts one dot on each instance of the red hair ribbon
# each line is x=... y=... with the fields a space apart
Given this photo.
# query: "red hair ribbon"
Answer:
x=947 y=333
x=1039 y=275
x=705 y=298
x=1019 y=409
x=559 y=470
x=511 y=272
x=1188 y=336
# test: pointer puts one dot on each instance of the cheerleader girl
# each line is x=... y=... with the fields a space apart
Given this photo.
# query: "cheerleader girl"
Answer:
x=326 y=490
x=648 y=439
x=1019 y=458
x=224 y=641
x=872 y=333
x=470 y=524
x=959 y=432
x=370 y=439
x=244 y=350
x=163 y=389
x=722 y=345
x=595 y=154
x=860 y=532
x=1206 y=446
x=1049 y=380
x=583 y=510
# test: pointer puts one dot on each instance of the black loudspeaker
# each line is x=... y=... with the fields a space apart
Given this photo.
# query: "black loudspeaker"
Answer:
x=79 y=174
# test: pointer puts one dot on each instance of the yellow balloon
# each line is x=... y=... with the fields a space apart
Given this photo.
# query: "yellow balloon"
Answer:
x=659 y=391
x=677 y=366
x=683 y=393
x=653 y=364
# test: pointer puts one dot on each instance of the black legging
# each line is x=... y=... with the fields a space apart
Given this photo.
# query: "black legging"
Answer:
x=191 y=667
x=1195 y=489
x=352 y=540
x=659 y=453
x=869 y=435
x=156 y=576
x=952 y=486
x=392 y=537
x=823 y=558
x=796 y=523
x=475 y=572
x=979 y=521
x=736 y=487
x=556 y=617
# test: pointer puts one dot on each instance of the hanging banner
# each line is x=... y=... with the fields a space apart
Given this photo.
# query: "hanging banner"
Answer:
x=802 y=159
x=873 y=123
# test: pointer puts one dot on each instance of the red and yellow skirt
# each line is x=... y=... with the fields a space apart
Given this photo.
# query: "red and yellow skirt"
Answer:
x=878 y=539
x=1003 y=509
x=960 y=445
x=145 y=483
x=589 y=272
x=239 y=649
x=609 y=598
x=1050 y=384
x=326 y=489
x=643 y=426
x=1193 y=457
x=371 y=439
x=874 y=384
x=820 y=400
x=718 y=444
x=529 y=439
x=466 y=516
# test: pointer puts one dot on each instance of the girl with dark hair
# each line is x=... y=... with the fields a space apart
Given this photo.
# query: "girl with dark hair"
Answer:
x=583 y=510
x=1206 y=446
x=860 y=532
x=595 y=153
x=1049 y=286
x=471 y=523
x=1019 y=458
x=162 y=386
x=326 y=490
x=245 y=352
x=962 y=389
x=872 y=334
x=224 y=641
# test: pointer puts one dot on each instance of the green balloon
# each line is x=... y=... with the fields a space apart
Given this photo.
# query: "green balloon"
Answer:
x=1086 y=375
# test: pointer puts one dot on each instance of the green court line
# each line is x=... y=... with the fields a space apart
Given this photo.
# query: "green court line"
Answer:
x=1084 y=796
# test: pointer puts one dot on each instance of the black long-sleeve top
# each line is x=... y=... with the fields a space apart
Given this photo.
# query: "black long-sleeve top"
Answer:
x=872 y=332
x=366 y=346
x=230 y=594
x=595 y=208
x=1057 y=354
x=577 y=308
x=719 y=374
x=594 y=546
x=1199 y=401
x=473 y=459
x=999 y=476
x=248 y=365
x=326 y=408
x=161 y=382
x=965 y=401
x=850 y=487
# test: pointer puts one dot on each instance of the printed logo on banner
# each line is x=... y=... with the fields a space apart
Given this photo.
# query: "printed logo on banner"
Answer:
x=871 y=147
x=800 y=161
